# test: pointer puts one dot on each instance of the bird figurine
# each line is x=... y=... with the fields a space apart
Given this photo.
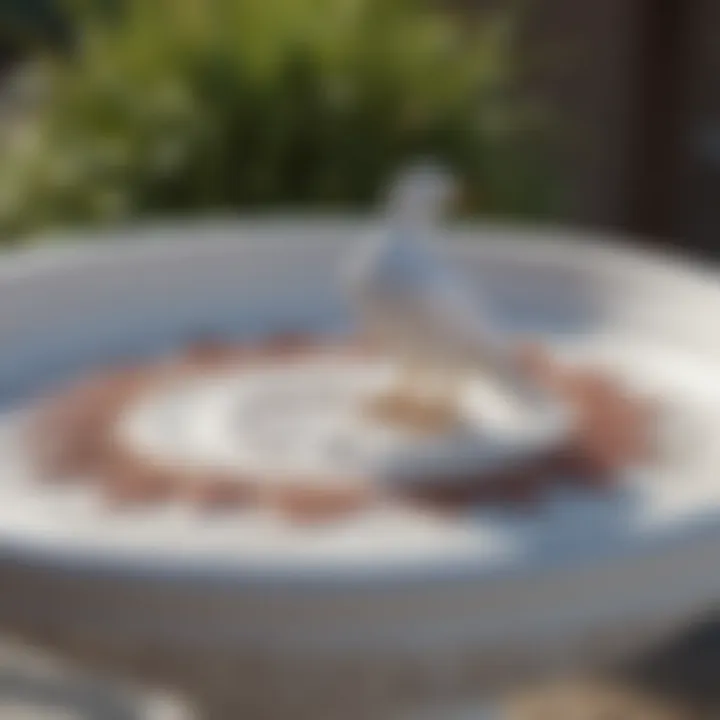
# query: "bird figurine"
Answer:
x=418 y=309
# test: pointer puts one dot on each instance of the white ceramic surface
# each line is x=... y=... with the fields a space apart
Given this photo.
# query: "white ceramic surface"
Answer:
x=390 y=589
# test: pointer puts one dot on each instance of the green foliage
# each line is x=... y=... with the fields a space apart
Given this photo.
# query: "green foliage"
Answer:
x=207 y=105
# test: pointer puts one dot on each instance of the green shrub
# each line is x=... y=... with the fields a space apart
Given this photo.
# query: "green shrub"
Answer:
x=217 y=105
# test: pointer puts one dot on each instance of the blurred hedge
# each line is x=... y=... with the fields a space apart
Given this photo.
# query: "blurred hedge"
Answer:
x=217 y=105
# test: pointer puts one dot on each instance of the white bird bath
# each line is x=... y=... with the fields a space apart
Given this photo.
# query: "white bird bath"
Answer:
x=389 y=610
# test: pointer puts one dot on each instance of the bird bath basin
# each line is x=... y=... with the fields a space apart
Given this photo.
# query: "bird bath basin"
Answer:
x=387 y=605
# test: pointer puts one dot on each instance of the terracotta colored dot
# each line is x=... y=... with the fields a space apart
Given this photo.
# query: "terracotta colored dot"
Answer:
x=307 y=502
x=286 y=345
x=140 y=485
x=209 y=353
x=218 y=492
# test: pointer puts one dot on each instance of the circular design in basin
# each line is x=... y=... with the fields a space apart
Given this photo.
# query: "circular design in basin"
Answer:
x=291 y=424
